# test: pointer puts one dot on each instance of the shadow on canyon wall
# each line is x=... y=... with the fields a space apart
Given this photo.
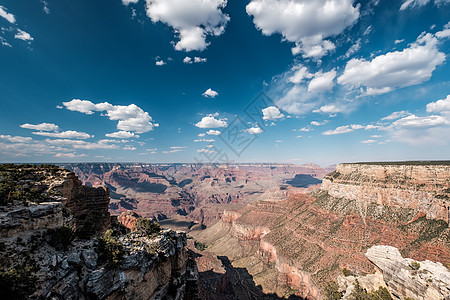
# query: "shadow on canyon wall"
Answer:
x=236 y=283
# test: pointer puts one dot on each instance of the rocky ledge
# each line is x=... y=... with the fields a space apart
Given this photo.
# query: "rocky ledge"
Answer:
x=406 y=277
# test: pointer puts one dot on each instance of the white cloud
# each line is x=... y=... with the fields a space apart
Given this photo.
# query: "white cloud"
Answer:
x=204 y=140
x=209 y=93
x=418 y=3
x=8 y=16
x=322 y=81
x=41 y=127
x=444 y=33
x=399 y=41
x=77 y=144
x=16 y=139
x=396 y=115
x=211 y=122
x=205 y=151
x=160 y=63
x=129 y=148
x=414 y=121
x=315 y=123
x=300 y=74
x=187 y=60
x=254 y=130
x=70 y=134
x=199 y=59
x=271 y=113
x=213 y=132
x=369 y=141
x=343 y=129
x=45 y=7
x=122 y=135
x=69 y=155
x=354 y=48
x=392 y=70
x=440 y=106
x=305 y=129
x=130 y=118
x=328 y=109
x=297 y=100
x=175 y=149
x=305 y=22
x=375 y=136
x=127 y=2
x=24 y=36
x=201 y=134
x=191 y=20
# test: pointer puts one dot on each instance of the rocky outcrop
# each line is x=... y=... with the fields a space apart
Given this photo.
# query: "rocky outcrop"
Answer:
x=128 y=219
x=18 y=220
x=54 y=245
x=424 y=187
x=88 y=205
x=406 y=277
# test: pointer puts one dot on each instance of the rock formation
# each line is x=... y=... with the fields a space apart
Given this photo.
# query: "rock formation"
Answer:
x=423 y=187
x=57 y=247
x=406 y=277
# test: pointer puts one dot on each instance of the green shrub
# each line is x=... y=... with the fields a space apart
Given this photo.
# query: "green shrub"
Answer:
x=332 y=291
x=347 y=272
x=146 y=226
x=109 y=249
x=359 y=293
x=414 y=265
x=60 y=238
x=200 y=246
x=18 y=282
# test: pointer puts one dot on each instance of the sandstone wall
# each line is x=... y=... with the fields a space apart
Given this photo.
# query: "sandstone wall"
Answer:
x=425 y=188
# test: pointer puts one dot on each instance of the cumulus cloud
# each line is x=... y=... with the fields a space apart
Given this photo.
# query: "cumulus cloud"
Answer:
x=329 y=109
x=160 y=62
x=301 y=73
x=175 y=149
x=122 y=135
x=440 y=106
x=322 y=82
x=192 y=20
x=130 y=118
x=209 y=93
x=16 y=139
x=24 y=36
x=307 y=23
x=199 y=59
x=271 y=113
x=77 y=144
x=315 y=123
x=428 y=130
x=418 y=3
x=392 y=70
x=213 y=132
x=210 y=121
x=6 y=15
x=41 y=127
x=131 y=148
x=254 y=130
x=128 y=2
x=204 y=140
x=70 y=134
x=343 y=129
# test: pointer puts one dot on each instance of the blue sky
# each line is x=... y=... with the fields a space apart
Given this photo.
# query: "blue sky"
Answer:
x=175 y=80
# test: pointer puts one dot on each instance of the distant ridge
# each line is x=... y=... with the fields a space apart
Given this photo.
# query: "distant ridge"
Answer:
x=411 y=162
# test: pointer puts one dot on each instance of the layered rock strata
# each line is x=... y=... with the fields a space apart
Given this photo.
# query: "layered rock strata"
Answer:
x=423 y=187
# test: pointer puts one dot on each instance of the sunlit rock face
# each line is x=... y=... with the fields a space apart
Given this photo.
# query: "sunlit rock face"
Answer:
x=406 y=277
x=422 y=187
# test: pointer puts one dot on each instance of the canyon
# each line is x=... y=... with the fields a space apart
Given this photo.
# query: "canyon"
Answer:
x=241 y=231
